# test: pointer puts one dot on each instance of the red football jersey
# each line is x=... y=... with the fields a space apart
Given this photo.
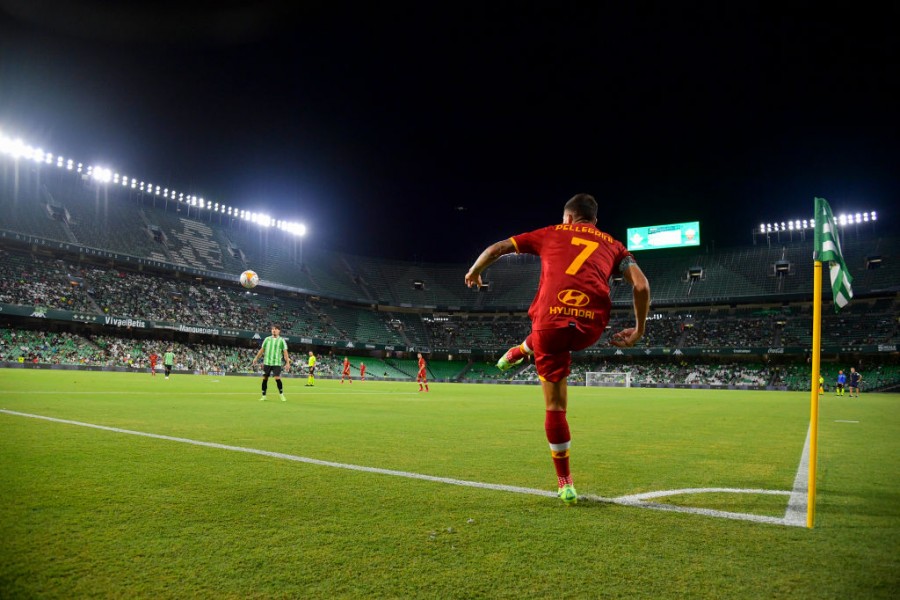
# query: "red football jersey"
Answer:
x=421 y=364
x=346 y=365
x=576 y=263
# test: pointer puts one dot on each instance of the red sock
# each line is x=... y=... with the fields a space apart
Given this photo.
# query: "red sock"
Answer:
x=515 y=354
x=557 y=429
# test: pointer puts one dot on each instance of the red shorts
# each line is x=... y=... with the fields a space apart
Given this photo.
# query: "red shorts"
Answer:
x=553 y=349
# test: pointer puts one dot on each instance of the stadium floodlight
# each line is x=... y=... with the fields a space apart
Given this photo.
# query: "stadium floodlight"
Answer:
x=298 y=229
x=874 y=218
x=858 y=218
x=102 y=174
x=49 y=158
x=842 y=219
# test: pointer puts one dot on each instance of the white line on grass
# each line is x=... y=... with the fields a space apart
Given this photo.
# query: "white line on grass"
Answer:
x=842 y=421
x=795 y=514
x=634 y=500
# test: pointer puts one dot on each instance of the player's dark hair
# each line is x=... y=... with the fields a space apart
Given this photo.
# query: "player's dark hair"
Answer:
x=583 y=206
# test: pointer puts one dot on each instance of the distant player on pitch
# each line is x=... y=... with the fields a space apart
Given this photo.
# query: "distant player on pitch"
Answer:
x=311 y=365
x=362 y=371
x=421 y=376
x=345 y=372
x=168 y=361
x=273 y=349
x=855 y=378
x=153 y=358
x=839 y=385
x=570 y=310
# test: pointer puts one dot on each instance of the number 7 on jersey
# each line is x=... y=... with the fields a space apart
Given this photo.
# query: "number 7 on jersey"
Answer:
x=589 y=248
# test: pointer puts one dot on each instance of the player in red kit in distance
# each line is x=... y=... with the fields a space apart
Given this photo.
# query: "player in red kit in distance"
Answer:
x=153 y=359
x=346 y=371
x=362 y=371
x=421 y=378
x=570 y=309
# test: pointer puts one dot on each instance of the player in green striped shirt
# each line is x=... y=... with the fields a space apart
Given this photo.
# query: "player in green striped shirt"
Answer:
x=168 y=361
x=273 y=349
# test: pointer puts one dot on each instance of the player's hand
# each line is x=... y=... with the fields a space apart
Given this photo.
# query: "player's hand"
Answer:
x=473 y=280
x=626 y=338
x=287 y=366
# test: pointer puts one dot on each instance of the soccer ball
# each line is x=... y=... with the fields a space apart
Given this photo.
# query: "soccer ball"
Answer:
x=249 y=279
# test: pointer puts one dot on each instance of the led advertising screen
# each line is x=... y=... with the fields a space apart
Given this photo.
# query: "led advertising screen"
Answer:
x=655 y=237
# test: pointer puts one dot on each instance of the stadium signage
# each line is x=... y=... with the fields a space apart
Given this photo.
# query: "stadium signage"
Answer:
x=195 y=329
x=655 y=237
x=126 y=322
x=775 y=351
x=887 y=347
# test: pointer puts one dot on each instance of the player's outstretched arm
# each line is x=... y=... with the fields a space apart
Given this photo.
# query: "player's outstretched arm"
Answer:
x=488 y=257
x=641 y=291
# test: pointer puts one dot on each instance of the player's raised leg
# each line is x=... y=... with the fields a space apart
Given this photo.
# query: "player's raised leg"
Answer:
x=515 y=355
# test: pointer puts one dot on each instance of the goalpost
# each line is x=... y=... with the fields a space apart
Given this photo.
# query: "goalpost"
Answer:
x=607 y=379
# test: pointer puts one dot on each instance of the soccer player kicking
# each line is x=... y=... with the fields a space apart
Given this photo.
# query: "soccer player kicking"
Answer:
x=421 y=378
x=273 y=349
x=570 y=309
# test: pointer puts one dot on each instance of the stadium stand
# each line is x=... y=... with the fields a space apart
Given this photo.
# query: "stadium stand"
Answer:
x=71 y=244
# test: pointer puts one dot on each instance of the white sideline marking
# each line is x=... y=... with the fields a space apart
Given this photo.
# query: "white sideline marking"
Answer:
x=842 y=421
x=633 y=500
x=795 y=514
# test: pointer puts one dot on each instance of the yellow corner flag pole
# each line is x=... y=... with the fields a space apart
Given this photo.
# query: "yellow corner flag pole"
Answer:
x=814 y=395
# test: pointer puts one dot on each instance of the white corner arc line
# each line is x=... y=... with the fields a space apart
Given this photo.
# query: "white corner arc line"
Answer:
x=636 y=500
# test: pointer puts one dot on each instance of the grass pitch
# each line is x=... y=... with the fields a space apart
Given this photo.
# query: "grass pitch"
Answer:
x=97 y=512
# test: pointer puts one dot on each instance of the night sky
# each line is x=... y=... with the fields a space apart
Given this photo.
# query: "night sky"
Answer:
x=426 y=131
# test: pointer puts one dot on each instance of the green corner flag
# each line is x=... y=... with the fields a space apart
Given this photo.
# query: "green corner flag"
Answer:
x=828 y=249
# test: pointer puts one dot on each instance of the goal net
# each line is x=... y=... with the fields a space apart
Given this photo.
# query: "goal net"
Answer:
x=607 y=379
